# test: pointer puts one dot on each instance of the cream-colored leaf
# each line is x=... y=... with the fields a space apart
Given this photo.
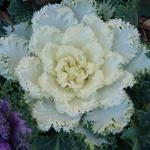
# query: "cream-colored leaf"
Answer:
x=12 y=49
x=48 y=56
x=45 y=34
x=28 y=72
x=78 y=7
x=114 y=94
x=110 y=120
x=93 y=83
x=47 y=116
x=94 y=53
x=54 y=15
x=102 y=31
x=77 y=106
x=49 y=85
x=126 y=39
x=21 y=29
x=78 y=36
x=140 y=62
x=112 y=68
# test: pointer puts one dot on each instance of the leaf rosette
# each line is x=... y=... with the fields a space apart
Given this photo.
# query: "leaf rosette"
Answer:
x=77 y=67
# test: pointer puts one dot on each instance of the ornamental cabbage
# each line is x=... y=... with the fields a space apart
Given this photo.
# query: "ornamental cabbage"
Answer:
x=75 y=68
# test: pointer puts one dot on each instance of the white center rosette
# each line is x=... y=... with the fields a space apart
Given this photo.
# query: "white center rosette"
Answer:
x=79 y=69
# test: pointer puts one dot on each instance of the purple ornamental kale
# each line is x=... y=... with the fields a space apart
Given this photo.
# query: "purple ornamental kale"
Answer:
x=14 y=134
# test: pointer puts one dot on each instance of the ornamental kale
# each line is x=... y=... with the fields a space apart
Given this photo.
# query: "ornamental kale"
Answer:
x=75 y=64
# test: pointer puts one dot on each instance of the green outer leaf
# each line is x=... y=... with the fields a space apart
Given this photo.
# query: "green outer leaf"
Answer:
x=22 y=11
x=131 y=135
x=145 y=140
x=140 y=93
x=132 y=10
x=46 y=143
x=144 y=117
x=59 y=141
x=129 y=11
x=137 y=136
x=19 y=6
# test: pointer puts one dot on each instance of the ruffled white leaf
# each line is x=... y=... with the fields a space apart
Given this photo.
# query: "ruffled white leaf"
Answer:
x=12 y=49
x=102 y=31
x=93 y=83
x=114 y=94
x=126 y=39
x=78 y=7
x=111 y=68
x=90 y=139
x=110 y=120
x=94 y=53
x=78 y=36
x=69 y=50
x=140 y=62
x=45 y=34
x=47 y=55
x=28 y=72
x=77 y=106
x=49 y=85
x=59 y=16
x=47 y=116
x=22 y=29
